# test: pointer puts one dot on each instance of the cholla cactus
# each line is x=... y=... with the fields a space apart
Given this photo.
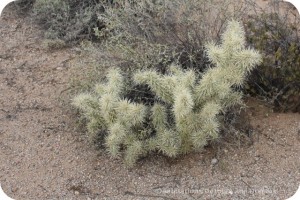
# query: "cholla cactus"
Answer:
x=185 y=116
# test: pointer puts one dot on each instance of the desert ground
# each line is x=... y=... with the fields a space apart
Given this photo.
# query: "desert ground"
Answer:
x=44 y=156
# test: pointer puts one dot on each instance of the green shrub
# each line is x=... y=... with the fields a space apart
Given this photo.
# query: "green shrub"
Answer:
x=180 y=110
x=53 y=44
x=275 y=33
x=155 y=33
x=24 y=6
x=68 y=19
x=54 y=16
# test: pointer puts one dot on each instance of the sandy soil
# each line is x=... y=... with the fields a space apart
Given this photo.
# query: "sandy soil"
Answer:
x=43 y=156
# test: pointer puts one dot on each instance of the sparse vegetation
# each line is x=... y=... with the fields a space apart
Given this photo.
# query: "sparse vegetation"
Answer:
x=24 y=5
x=145 y=45
x=53 y=44
x=181 y=114
x=67 y=19
x=275 y=32
x=153 y=34
x=39 y=126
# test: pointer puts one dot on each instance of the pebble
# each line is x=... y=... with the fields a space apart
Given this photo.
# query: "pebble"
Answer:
x=243 y=174
x=14 y=189
x=76 y=193
x=214 y=161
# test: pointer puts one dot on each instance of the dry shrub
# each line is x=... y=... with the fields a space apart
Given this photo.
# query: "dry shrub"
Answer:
x=23 y=6
x=155 y=33
x=275 y=32
x=70 y=20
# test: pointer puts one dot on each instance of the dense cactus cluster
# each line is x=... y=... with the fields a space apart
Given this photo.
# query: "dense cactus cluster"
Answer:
x=184 y=114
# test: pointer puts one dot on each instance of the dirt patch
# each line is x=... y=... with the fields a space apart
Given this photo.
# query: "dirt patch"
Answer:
x=43 y=156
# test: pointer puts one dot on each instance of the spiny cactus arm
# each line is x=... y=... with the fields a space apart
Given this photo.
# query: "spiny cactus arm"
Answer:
x=99 y=89
x=203 y=91
x=232 y=53
x=246 y=60
x=151 y=144
x=169 y=142
x=107 y=107
x=186 y=144
x=135 y=148
x=133 y=151
x=210 y=123
x=85 y=102
x=183 y=103
x=109 y=94
x=115 y=83
x=95 y=124
x=116 y=136
x=210 y=110
x=199 y=139
x=211 y=128
x=233 y=98
x=175 y=70
x=159 y=117
x=241 y=64
x=130 y=114
x=228 y=77
x=159 y=84
x=183 y=78
x=233 y=39
x=233 y=61
x=215 y=54
x=89 y=105
x=188 y=79
x=213 y=86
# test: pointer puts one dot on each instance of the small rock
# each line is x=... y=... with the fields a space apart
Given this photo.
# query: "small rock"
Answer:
x=214 y=161
x=76 y=192
x=14 y=189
